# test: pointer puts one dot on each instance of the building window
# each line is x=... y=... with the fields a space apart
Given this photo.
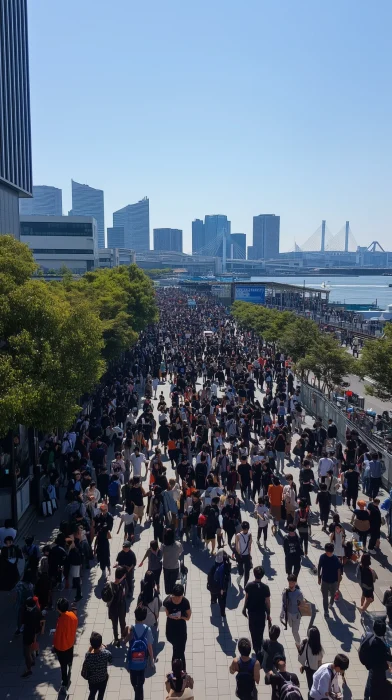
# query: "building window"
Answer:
x=61 y=251
x=48 y=228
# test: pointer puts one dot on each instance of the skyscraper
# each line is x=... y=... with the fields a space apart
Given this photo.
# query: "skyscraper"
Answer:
x=115 y=237
x=15 y=137
x=266 y=234
x=47 y=201
x=135 y=220
x=238 y=242
x=87 y=201
x=217 y=226
x=168 y=239
x=198 y=235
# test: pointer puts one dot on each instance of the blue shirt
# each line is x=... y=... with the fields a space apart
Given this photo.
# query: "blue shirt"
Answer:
x=376 y=469
x=328 y=568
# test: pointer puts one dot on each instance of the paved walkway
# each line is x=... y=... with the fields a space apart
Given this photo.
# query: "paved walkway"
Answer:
x=211 y=644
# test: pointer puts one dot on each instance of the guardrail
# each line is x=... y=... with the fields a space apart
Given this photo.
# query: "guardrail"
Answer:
x=318 y=404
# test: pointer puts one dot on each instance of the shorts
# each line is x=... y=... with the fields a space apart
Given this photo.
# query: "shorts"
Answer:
x=368 y=592
x=138 y=511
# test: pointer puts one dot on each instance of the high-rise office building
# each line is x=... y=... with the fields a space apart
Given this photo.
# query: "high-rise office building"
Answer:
x=46 y=201
x=168 y=239
x=266 y=233
x=217 y=226
x=135 y=220
x=115 y=236
x=15 y=136
x=238 y=246
x=198 y=235
x=88 y=201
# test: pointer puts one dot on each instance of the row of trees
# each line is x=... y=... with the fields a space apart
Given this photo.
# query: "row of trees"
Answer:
x=313 y=352
x=320 y=354
x=56 y=338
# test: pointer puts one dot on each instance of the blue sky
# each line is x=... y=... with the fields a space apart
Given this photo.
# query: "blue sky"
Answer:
x=219 y=106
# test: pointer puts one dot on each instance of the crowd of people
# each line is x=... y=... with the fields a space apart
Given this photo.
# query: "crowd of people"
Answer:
x=195 y=463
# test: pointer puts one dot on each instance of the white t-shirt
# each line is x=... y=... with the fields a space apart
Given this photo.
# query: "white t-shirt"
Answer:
x=324 y=465
x=264 y=513
x=137 y=461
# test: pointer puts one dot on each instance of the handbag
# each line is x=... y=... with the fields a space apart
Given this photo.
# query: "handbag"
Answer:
x=109 y=535
x=361 y=525
x=305 y=608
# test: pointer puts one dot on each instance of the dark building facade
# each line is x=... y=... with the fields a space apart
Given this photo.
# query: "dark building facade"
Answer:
x=168 y=239
x=266 y=235
x=116 y=237
x=238 y=245
x=198 y=235
x=15 y=133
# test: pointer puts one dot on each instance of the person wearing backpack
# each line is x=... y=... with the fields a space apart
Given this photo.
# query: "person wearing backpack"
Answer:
x=326 y=679
x=178 y=683
x=140 y=651
x=284 y=685
x=375 y=654
x=178 y=613
x=270 y=648
x=95 y=667
x=218 y=580
x=247 y=670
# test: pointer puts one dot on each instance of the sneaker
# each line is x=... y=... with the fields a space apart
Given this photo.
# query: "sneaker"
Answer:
x=63 y=690
x=326 y=614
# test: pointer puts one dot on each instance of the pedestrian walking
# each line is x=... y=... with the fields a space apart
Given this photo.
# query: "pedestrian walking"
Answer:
x=149 y=599
x=329 y=571
x=290 y=615
x=280 y=679
x=140 y=651
x=326 y=679
x=171 y=552
x=361 y=522
x=324 y=502
x=262 y=516
x=219 y=580
x=367 y=578
x=103 y=526
x=247 y=669
x=375 y=655
x=95 y=667
x=243 y=546
x=33 y=624
x=257 y=607
x=113 y=594
x=64 y=640
x=179 y=684
x=292 y=551
x=310 y=654
x=178 y=613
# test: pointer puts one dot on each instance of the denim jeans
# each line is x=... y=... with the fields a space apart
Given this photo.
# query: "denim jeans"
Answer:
x=155 y=634
x=280 y=461
x=194 y=535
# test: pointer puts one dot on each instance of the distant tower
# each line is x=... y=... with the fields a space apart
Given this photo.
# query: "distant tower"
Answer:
x=346 y=235
x=323 y=225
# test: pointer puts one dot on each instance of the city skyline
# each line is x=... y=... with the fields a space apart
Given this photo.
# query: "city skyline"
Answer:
x=303 y=131
x=46 y=200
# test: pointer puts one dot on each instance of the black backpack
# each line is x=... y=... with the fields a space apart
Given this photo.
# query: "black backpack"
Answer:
x=245 y=679
x=289 y=691
x=365 y=650
x=107 y=594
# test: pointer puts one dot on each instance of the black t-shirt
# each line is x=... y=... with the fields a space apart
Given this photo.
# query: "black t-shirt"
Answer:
x=32 y=625
x=245 y=471
x=257 y=592
x=176 y=627
x=127 y=558
x=352 y=478
x=324 y=500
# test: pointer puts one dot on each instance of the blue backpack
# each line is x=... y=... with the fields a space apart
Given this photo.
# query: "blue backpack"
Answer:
x=137 y=656
x=218 y=575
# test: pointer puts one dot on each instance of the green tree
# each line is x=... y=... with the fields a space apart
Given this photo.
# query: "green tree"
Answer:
x=376 y=362
x=327 y=361
x=299 y=337
x=16 y=261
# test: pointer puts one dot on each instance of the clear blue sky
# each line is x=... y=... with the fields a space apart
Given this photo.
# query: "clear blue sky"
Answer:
x=219 y=106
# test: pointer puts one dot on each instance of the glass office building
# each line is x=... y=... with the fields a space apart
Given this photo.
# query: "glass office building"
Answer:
x=15 y=136
x=168 y=239
x=88 y=201
x=46 y=201
x=135 y=220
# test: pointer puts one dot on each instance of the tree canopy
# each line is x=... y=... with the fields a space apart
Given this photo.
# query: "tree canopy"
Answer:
x=55 y=337
x=312 y=351
x=376 y=363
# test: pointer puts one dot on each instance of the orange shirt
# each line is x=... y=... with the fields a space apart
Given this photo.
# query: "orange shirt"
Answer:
x=64 y=636
x=275 y=494
x=171 y=444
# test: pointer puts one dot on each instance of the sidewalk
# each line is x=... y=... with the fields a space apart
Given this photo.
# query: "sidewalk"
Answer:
x=210 y=645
